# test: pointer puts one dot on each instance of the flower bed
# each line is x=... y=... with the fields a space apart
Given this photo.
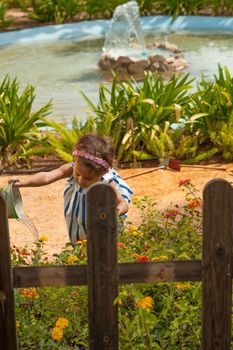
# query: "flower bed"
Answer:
x=154 y=316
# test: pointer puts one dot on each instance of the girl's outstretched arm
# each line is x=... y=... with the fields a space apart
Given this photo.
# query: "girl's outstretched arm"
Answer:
x=43 y=178
x=122 y=205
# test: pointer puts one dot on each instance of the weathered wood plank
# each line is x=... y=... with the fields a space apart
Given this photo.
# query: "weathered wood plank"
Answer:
x=217 y=265
x=169 y=271
x=102 y=267
x=49 y=276
x=8 y=338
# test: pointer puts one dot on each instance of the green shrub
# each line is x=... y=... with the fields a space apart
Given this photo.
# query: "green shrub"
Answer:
x=58 y=11
x=3 y=21
x=180 y=7
x=18 y=124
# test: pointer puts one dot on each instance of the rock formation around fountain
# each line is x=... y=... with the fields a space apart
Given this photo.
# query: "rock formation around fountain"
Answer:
x=125 y=53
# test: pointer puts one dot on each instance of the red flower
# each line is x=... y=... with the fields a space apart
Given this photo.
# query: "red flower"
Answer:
x=184 y=182
x=171 y=213
x=24 y=252
x=142 y=258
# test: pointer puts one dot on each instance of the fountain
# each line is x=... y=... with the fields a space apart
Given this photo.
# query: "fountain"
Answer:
x=125 y=52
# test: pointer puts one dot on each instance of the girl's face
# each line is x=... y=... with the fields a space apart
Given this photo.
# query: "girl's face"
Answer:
x=85 y=176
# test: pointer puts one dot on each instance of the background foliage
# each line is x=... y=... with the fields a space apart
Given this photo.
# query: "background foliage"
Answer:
x=61 y=11
x=178 y=118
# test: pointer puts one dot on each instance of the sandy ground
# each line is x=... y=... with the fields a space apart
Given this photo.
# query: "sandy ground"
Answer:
x=44 y=205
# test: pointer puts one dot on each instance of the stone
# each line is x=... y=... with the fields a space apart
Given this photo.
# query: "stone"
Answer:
x=170 y=47
x=106 y=63
x=170 y=59
x=156 y=58
x=123 y=60
x=126 y=67
x=138 y=66
x=154 y=67
x=179 y=64
x=164 y=67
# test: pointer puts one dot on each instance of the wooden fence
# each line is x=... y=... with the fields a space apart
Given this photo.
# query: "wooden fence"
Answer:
x=102 y=273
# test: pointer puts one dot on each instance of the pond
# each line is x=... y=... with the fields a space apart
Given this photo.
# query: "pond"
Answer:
x=62 y=66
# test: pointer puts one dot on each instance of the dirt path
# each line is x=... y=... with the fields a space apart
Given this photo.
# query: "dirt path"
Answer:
x=44 y=205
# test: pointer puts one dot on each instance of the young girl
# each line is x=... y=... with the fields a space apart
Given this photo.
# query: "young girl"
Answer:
x=93 y=159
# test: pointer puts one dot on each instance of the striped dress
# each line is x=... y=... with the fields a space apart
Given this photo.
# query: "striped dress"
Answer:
x=75 y=203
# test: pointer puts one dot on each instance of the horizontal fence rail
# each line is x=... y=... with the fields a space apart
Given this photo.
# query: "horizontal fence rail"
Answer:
x=48 y=276
x=102 y=274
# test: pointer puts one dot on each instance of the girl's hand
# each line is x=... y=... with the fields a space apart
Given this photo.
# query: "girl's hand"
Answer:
x=16 y=181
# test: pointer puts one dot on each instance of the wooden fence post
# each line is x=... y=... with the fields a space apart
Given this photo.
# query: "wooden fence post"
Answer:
x=8 y=337
x=102 y=267
x=217 y=265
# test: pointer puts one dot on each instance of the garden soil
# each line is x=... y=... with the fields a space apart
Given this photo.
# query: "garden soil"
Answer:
x=44 y=205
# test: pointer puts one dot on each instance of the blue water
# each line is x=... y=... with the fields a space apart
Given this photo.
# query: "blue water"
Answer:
x=67 y=63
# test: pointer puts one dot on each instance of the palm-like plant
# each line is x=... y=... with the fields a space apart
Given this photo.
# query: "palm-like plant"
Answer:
x=18 y=124
x=129 y=108
x=62 y=139
x=211 y=105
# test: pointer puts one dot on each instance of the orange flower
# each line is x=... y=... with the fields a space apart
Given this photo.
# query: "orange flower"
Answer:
x=145 y=303
x=30 y=293
x=142 y=258
x=183 y=286
x=194 y=203
x=62 y=322
x=121 y=245
x=57 y=333
x=184 y=182
x=171 y=213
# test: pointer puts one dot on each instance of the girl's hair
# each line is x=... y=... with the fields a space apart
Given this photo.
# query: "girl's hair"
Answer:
x=98 y=146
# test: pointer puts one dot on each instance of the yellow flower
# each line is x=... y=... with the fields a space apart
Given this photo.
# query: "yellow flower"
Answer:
x=81 y=242
x=156 y=258
x=57 y=333
x=135 y=255
x=145 y=303
x=183 y=286
x=163 y=257
x=43 y=238
x=159 y=258
x=71 y=259
x=62 y=322
x=119 y=301
x=137 y=233
x=17 y=324
x=132 y=228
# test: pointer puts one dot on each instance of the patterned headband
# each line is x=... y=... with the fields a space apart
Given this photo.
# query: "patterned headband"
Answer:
x=94 y=159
